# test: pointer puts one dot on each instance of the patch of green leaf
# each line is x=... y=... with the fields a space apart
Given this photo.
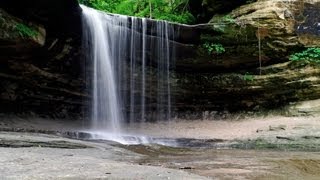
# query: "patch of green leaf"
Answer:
x=310 y=55
x=213 y=48
x=228 y=19
x=25 y=31
x=248 y=77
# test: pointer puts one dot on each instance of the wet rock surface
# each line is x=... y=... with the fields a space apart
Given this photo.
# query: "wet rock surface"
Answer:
x=253 y=148
x=86 y=160
x=10 y=140
x=271 y=132
x=101 y=159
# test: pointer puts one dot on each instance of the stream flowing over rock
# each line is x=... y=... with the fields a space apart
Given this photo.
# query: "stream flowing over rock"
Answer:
x=43 y=69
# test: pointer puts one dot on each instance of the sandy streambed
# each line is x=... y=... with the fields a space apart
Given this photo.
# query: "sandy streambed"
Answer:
x=40 y=156
x=234 y=163
x=273 y=148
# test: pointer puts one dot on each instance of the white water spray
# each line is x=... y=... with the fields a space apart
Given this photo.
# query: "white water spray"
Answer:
x=105 y=113
x=124 y=55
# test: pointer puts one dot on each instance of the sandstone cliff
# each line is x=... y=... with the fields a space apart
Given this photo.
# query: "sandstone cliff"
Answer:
x=43 y=72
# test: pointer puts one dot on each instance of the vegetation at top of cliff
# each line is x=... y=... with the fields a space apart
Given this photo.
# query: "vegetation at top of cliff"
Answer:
x=25 y=31
x=170 y=10
x=310 y=55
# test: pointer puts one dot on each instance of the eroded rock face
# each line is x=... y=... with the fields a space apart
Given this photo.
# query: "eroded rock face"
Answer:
x=17 y=38
x=268 y=30
x=203 y=10
x=41 y=66
x=278 y=86
x=277 y=28
x=282 y=25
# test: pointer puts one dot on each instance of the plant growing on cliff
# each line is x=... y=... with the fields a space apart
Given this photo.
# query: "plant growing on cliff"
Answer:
x=170 y=10
x=213 y=48
x=309 y=55
x=25 y=31
x=228 y=19
x=248 y=77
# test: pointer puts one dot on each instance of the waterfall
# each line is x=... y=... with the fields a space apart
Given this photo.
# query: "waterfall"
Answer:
x=129 y=69
x=106 y=109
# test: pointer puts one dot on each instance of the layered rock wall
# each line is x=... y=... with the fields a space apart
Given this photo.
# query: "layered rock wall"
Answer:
x=40 y=59
x=254 y=72
x=43 y=71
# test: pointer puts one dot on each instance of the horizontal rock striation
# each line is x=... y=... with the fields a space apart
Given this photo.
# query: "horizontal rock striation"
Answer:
x=40 y=58
x=262 y=33
x=43 y=72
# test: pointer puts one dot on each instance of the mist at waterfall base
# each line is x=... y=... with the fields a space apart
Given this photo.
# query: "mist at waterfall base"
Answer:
x=124 y=56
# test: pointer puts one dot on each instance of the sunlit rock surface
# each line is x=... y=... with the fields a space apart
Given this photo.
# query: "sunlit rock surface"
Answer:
x=263 y=31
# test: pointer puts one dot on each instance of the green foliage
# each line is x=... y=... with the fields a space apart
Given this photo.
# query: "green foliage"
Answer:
x=214 y=48
x=104 y=5
x=170 y=10
x=308 y=56
x=228 y=19
x=25 y=31
x=127 y=7
x=248 y=77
